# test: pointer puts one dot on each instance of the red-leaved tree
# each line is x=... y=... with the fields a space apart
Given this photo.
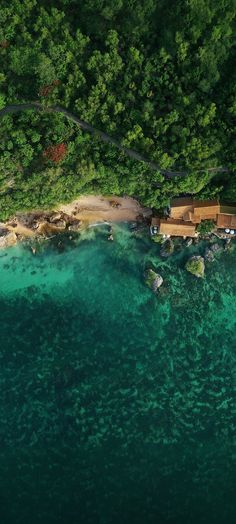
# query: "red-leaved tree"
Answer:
x=46 y=90
x=55 y=153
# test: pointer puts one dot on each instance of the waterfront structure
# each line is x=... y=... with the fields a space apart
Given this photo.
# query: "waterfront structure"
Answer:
x=186 y=213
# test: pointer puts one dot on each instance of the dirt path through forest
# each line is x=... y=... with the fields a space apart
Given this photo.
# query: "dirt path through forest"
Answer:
x=14 y=108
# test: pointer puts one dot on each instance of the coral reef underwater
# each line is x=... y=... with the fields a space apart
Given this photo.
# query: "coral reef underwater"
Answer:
x=117 y=404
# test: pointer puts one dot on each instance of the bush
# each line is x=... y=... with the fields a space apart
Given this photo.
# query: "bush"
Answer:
x=205 y=227
x=157 y=238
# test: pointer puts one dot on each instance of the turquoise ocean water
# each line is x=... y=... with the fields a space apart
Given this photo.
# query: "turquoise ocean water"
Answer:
x=116 y=406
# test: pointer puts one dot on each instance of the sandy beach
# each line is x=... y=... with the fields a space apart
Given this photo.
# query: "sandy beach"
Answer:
x=92 y=209
x=87 y=209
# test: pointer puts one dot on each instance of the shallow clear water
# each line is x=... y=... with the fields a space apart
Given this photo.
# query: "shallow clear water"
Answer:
x=116 y=405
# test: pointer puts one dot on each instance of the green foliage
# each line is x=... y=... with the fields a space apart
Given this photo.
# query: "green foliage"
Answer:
x=206 y=226
x=165 y=90
x=157 y=238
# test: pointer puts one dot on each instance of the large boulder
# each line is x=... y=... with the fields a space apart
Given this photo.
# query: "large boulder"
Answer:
x=153 y=280
x=75 y=226
x=196 y=266
x=59 y=224
x=55 y=217
x=7 y=238
x=167 y=248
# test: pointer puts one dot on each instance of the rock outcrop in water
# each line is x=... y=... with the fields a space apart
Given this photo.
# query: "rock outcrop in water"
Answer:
x=59 y=223
x=188 y=242
x=209 y=255
x=46 y=223
x=153 y=280
x=76 y=226
x=7 y=239
x=167 y=248
x=196 y=266
x=214 y=249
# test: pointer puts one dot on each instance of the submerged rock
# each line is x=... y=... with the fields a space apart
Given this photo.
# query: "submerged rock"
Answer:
x=216 y=248
x=7 y=238
x=227 y=244
x=153 y=280
x=196 y=266
x=188 y=242
x=209 y=255
x=167 y=248
x=133 y=225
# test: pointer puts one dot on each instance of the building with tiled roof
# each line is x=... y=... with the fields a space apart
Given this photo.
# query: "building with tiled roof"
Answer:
x=186 y=213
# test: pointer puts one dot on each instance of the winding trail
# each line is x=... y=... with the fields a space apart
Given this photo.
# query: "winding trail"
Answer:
x=15 y=108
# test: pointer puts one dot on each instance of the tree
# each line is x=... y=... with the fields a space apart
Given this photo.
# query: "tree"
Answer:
x=2 y=101
x=165 y=89
x=55 y=153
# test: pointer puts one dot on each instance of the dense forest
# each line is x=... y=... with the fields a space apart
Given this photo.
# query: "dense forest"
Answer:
x=157 y=75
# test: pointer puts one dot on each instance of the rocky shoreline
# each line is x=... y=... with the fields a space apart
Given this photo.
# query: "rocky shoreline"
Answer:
x=73 y=217
x=36 y=224
x=47 y=224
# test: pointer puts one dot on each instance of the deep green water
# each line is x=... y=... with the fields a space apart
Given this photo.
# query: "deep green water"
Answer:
x=116 y=406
